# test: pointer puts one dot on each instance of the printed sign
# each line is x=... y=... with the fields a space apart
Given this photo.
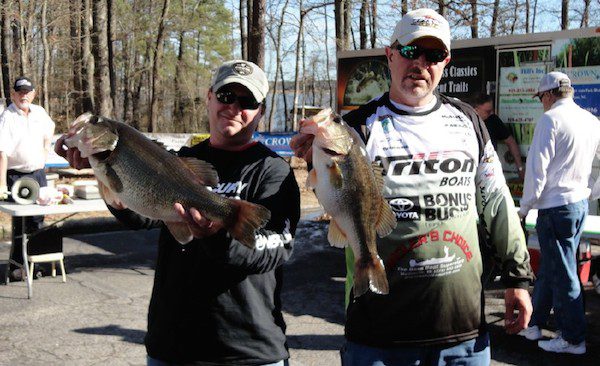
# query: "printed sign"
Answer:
x=586 y=82
x=516 y=105
x=467 y=74
x=278 y=142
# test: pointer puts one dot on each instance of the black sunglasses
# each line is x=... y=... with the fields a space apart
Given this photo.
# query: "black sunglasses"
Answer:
x=412 y=52
x=227 y=96
x=541 y=96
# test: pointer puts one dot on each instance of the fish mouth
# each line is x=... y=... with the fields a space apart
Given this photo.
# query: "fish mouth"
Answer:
x=93 y=136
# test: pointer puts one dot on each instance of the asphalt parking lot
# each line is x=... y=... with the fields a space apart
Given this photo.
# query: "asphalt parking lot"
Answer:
x=99 y=315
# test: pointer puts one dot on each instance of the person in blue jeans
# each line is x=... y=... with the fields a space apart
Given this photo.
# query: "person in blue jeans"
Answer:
x=474 y=352
x=559 y=165
x=441 y=177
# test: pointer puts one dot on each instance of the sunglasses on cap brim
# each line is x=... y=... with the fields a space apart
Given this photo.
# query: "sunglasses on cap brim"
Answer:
x=413 y=52
x=226 y=96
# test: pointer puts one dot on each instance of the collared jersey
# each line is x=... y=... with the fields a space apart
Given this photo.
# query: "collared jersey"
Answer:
x=441 y=174
x=22 y=137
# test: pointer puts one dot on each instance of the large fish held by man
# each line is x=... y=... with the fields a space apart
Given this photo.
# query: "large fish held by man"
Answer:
x=140 y=174
x=350 y=190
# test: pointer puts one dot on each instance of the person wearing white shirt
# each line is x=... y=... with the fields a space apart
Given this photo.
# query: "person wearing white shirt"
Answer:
x=557 y=183
x=25 y=137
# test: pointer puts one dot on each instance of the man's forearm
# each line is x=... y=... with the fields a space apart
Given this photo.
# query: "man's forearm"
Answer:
x=514 y=151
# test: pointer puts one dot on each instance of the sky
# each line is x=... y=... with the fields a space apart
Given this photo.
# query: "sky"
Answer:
x=547 y=19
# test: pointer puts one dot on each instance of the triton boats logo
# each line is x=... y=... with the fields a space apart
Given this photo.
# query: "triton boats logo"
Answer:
x=450 y=162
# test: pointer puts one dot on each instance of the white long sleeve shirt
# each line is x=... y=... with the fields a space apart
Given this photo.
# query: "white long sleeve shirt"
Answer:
x=559 y=163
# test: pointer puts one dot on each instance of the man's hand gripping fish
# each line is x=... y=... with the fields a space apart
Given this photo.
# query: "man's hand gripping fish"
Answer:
x=350 y=189
x=136 y=172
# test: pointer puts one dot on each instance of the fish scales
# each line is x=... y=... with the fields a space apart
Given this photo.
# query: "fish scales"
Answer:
x=361 y=199
x=140 y=174
x=132 y=167
x=351 y=193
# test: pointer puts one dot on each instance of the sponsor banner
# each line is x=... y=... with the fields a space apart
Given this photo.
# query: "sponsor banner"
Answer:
x=586 y=82
x=588 y=97
x=468 y=73
x=516 y=105
x=278 y=142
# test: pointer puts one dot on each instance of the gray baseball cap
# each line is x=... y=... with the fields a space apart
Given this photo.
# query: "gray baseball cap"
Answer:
x=245 y=73
x=421 y=23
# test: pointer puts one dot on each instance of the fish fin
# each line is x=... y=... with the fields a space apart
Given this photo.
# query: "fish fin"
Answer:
x=311 y=179
x=336 y=236
x=180 y=231
x=250 y=217
x=160 y=144
x=203 y=171
x=386 y=221
x=109 y=196
x=378 y=172
x=114 y=182
x=336 y=177
x=370 y=275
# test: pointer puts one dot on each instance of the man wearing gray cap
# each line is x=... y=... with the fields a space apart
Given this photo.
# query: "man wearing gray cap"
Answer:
x=215 y=301
x=441 y=174
x=557 y=182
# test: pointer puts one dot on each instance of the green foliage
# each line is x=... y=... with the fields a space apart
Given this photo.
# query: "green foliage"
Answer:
x=585 y=52
x=201 y=29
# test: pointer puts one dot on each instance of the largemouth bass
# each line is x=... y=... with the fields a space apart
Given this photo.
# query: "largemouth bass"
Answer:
x=350 y=189
x=138 y=173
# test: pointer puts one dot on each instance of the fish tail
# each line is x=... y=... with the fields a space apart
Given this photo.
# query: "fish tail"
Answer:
x=250 y=217
x=370 y=275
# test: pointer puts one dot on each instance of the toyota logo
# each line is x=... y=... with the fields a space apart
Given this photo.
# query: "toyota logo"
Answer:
x=402 y=204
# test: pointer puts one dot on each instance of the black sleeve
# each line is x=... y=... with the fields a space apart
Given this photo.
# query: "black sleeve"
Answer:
x=277 y=191
x=497 y=129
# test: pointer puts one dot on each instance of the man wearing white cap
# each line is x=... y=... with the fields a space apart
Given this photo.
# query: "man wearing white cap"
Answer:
x=441 y=174
x=559 y=165
x=215 y=301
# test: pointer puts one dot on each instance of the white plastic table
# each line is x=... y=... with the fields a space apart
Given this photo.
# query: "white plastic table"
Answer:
x=23 y=211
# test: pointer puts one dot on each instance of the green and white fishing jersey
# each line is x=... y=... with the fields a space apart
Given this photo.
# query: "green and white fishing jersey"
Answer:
x=442 y=176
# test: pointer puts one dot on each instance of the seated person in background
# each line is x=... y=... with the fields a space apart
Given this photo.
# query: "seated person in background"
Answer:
x=484 y=106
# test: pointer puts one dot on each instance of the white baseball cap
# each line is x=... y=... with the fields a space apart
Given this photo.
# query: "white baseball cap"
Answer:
x=553 y=80
x=245 y=73
x=421 y=23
